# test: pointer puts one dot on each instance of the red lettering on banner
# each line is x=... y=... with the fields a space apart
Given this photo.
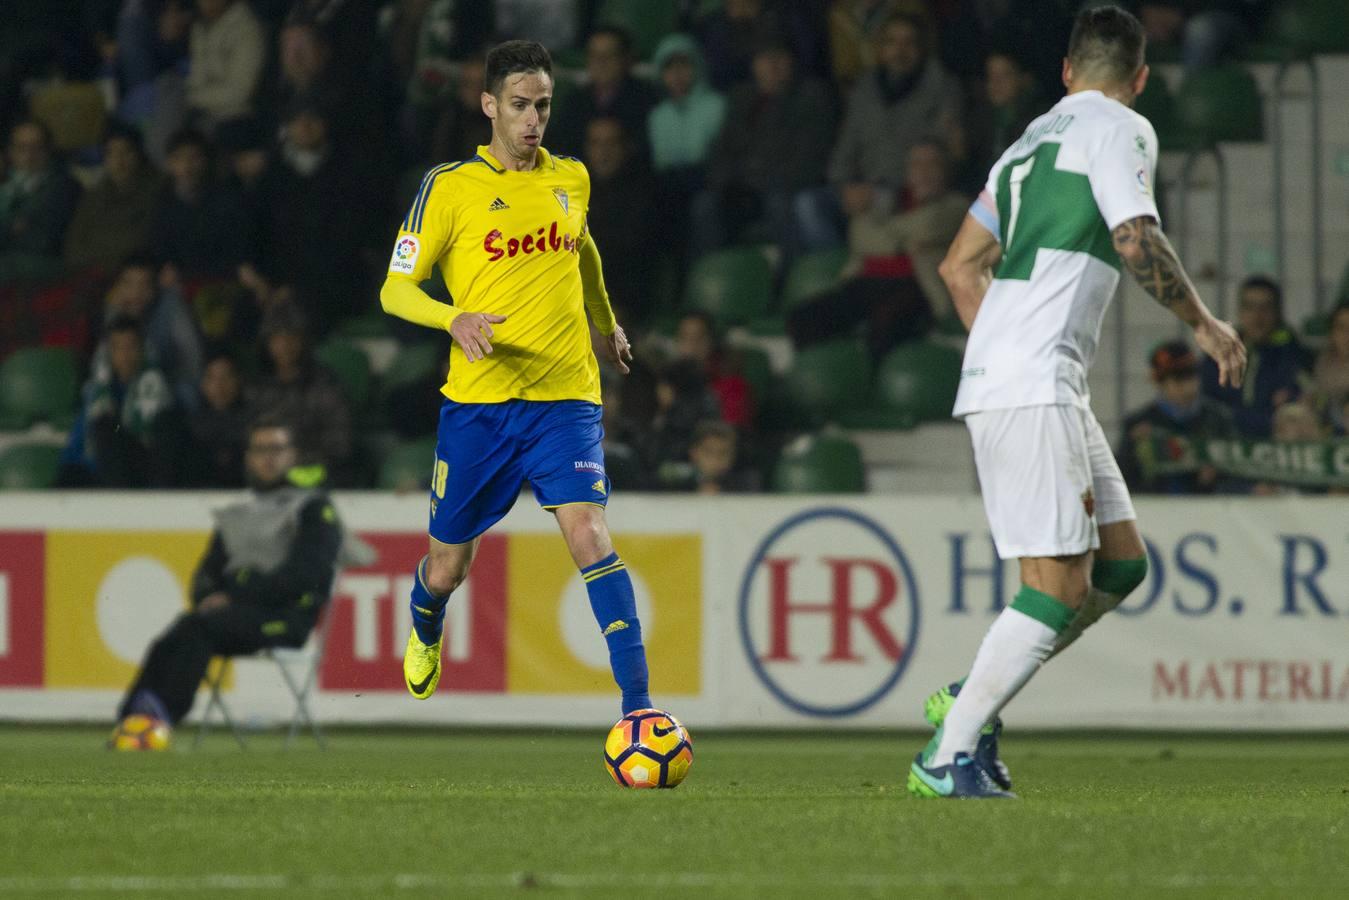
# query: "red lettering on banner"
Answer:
x=839 y=608
x=22 y=574
x=364 y=649
x=1300 y=681
x=1171 y=685
x=1270 y=681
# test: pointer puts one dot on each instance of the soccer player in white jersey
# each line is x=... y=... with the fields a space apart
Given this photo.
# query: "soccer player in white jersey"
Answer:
x=1031 y=272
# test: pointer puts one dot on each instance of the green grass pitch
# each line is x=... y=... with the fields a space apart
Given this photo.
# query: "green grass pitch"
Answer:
x=473 y=813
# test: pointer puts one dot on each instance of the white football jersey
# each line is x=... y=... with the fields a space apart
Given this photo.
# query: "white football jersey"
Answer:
x=1052 y=200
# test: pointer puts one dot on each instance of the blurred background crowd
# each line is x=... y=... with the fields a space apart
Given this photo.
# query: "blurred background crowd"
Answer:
x=198 y=199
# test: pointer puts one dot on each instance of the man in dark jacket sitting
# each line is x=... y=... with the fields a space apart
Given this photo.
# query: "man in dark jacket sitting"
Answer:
x=267 y=573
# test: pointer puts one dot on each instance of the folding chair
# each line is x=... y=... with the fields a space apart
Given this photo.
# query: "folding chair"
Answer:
x=299 y=668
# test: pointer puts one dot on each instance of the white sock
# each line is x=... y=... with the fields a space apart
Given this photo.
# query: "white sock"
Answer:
x=1015 y=646
x=1097 y=604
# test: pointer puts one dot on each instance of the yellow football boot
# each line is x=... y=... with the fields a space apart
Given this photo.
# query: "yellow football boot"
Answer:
x=421 y=666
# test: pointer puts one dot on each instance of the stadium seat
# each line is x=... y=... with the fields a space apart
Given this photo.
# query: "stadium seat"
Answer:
x=29 y=467
x=1306 y=27
x=646 y=22
x=37 y=384
x=408 y=467
x=820 y=464
x=374 y=324
x=351 y=366
x=920 y=378
x=1158 y=106
x=828 y=379
x=735 y=286
x=413 y=363
x=1221 y=104
x=812 y=274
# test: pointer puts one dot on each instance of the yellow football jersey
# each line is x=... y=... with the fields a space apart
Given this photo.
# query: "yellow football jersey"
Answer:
x=509 y=243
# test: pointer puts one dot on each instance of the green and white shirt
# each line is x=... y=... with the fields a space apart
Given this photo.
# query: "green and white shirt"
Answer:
x=1052 y=200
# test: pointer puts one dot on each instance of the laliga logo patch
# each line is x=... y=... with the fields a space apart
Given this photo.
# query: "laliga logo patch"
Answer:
x=1143 y=186
x=405 y=254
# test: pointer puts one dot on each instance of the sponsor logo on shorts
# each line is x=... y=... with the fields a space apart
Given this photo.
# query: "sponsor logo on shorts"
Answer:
x=598 y=486
x=589 y=464
x=405 y=254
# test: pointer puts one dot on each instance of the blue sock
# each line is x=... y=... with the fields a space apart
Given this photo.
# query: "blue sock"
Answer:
x=615 y=608
x=428 y=612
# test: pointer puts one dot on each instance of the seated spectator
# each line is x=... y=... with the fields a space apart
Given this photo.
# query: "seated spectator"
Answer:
x=201 y=227
x=711 y=465
x=612 y=92
x=621 y=216
x=37 y=198
x=853 y=25
x=459 y=126
x=172 y=343
x=1294 y=423
x=114 y=218
x=772 y=145
x=218 y=427
x=697 y=340
x=126 y=434
x=1278 y=366
x=1011 y=99
x=890 y=282
x=313 y=228
x=683 y=126
x=1179 y=412
x=266 y=575
x=245 y=150
x=682 y=401
x=906 y=98
x=730 y=35
x=554 y=23
x=1331 y=375
x=302 y=392
x=227 y=52
x=1204 y=31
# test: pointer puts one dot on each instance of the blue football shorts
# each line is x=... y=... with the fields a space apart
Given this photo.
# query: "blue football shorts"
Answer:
x=485 y=452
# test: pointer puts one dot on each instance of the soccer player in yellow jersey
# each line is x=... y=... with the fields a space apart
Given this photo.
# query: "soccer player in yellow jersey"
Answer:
x=522 y=402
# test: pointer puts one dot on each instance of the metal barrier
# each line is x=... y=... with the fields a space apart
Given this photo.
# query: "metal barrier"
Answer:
x=1223 y=225
x=1318 y=177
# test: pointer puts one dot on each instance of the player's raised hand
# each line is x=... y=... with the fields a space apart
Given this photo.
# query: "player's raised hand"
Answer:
x=1221 y=342
x=473 y=333
x=619 y=350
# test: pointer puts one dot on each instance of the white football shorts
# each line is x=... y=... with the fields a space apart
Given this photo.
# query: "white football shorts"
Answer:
x=1048 y=478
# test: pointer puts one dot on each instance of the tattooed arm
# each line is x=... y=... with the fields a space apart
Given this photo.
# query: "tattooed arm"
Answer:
x=968 y=268
x=1153 y=262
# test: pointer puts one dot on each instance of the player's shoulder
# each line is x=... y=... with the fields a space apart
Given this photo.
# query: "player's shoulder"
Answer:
x=570 y=165
x=456 y=174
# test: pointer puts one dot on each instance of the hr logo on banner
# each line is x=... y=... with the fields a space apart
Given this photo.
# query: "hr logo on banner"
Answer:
x=828 y=612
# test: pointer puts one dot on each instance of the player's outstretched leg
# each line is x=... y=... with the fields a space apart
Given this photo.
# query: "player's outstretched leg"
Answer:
x=430 y=592
x=615 y=607
x=939 y=703
x=1019 y=641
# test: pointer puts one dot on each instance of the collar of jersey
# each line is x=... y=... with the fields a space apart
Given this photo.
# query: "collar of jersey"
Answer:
x=545 y=160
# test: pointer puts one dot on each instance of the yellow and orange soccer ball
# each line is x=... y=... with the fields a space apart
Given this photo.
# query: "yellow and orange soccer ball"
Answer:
x=140 y=732
x=648 y=748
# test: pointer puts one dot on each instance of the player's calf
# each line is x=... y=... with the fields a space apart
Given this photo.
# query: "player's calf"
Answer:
x=1111 y=581
x=615 y=607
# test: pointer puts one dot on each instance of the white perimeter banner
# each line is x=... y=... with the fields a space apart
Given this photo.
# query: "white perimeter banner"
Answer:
x=764 y=611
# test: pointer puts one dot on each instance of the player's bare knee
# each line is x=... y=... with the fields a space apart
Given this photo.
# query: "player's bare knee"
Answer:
x=586 y=534
x=444 y=572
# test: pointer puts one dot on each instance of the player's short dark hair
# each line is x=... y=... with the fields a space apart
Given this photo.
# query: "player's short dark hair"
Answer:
x=1107 y=43
x=513 y=57
x=1265 y=283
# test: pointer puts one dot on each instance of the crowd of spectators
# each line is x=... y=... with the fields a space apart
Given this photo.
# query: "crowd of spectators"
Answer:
x=217 y=196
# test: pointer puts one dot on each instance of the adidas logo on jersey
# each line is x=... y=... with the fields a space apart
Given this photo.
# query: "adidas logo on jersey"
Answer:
x=497 y=205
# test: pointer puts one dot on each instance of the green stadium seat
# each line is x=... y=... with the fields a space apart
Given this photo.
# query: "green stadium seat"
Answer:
x=828 y=379
x=414 y=362
x=646 y=21
x=1306 y=27
x=735 y=286
x=37 y=384
x=373 y=324
x=820 y=464
x=812 y=274
x=351 y=366
x=29 y=467
x=915 y=383
x=408 y=466
x=1221 y=104
x=1158 y=106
